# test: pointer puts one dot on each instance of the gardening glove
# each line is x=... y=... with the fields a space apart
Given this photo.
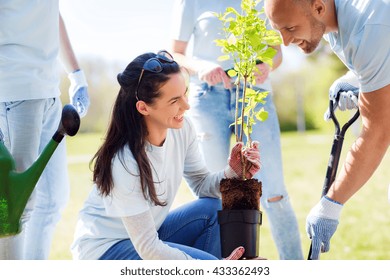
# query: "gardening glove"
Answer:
x=251 y=157
x=346 y=89
x=236 y=254
x=321 y=224
x=78 y=93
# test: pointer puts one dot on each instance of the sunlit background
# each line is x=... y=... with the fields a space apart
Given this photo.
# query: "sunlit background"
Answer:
x=107 y=35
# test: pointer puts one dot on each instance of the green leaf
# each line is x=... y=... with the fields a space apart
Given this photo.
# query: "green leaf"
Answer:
x=232 y=73
x=262 y=115
x=250 y=92
x=224 y=57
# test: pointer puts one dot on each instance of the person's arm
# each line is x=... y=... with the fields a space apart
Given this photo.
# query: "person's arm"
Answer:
x=207 y=71
x=278 y=58
x=265 y=69
x=368 y=150
x=213 y=73
x=362 y=160
x=78 y=90
x=179 y=49
x=68 y=57
x=206 y=184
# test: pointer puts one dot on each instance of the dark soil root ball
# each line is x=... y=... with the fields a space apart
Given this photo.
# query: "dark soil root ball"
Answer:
x=240 y=194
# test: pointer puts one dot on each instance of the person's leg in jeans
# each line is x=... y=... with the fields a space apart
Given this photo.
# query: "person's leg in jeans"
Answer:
x=192 y=228
x=52 y=190
x=212 y=112
x=194 y=224
x=275 y=199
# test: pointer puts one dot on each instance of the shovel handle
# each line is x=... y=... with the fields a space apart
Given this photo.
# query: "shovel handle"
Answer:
x=336 y=148
x=335 y=153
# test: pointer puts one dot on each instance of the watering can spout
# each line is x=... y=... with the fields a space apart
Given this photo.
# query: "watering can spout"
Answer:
x=16 y=187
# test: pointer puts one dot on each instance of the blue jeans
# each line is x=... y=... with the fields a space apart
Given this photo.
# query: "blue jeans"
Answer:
x=212 y=112
x=27 y=127
x=192 y=228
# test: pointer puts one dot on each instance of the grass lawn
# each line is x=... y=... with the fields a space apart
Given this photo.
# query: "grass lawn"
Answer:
x=365 y=220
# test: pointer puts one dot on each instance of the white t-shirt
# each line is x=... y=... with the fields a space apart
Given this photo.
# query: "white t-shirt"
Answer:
x=195 y=19
x=29 y=46
x=100 y=225
x=362 y=41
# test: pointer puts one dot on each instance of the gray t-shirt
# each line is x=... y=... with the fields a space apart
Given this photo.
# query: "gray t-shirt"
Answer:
x=362 y=41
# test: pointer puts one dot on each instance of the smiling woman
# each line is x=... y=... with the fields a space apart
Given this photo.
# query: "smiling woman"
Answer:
x=150 y=146
x=168 y=109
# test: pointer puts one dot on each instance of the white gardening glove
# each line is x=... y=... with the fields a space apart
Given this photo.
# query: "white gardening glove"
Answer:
x=78 y=92
x=346 y=88
x=348 y=100
x=251 y=157
x=321 y=224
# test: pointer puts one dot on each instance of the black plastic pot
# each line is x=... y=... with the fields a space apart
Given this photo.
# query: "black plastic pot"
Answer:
x=240 y=228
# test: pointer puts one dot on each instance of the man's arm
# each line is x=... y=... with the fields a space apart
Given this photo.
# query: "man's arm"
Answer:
x=78 y=93
x=68 y=57
x=369 y=149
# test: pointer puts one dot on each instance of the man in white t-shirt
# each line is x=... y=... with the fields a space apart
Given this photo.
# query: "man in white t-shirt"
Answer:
x=31 y=34
x=357 y=32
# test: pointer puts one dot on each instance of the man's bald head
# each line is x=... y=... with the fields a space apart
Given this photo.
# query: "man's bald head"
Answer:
x=300 y=22
x=275 y=6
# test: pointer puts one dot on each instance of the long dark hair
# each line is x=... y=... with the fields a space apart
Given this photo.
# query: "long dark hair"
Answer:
x=127 y=126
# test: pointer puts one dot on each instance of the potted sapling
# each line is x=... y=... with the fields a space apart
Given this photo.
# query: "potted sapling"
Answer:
x=247 y=42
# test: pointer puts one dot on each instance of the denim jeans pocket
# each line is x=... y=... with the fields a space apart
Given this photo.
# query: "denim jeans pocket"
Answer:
x=199 y=90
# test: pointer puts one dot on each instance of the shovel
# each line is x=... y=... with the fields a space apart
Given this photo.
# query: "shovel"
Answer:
x=335 y=152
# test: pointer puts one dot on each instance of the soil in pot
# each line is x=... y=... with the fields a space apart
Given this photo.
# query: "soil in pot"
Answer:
x=240 y=217
x=240 y=194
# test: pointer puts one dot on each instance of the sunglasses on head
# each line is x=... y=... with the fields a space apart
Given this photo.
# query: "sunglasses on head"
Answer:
x=154 y=65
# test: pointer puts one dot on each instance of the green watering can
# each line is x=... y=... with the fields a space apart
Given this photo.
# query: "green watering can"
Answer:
x=16 y=187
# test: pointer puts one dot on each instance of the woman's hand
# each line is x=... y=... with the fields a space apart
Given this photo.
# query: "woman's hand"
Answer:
x=236 y=254
x=251 y=160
